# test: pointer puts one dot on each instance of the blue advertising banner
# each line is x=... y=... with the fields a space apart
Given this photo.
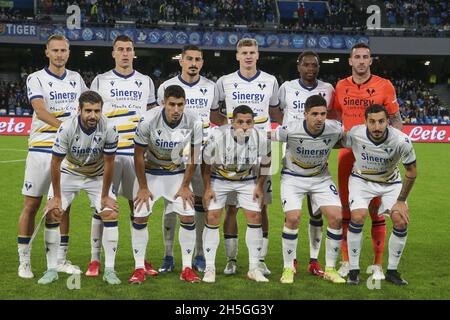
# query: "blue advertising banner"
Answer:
x=180 y=38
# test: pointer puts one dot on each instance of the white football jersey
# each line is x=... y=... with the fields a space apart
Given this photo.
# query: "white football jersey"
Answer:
x=125 y=99
x=307 y=154
x=83 y=149
x=232 y=159
x=60 y=96
x=259 y=93
x=293 y=94
x=378 y=161
x=165 y=143
x=201 y=97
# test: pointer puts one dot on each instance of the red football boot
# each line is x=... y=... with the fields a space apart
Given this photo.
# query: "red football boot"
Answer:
x=189 y=275
x=149 y=269
x=93 y=269
x=315 y=270
x=138 y=276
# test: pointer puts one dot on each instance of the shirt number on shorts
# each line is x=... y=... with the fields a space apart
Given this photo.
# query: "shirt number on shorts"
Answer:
x=333 y=188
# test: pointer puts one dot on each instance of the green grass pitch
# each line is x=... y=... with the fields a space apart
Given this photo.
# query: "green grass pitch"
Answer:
x=425 y=263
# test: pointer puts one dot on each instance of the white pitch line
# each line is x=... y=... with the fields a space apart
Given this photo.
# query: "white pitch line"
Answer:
x=10 y=161
x=23 y=150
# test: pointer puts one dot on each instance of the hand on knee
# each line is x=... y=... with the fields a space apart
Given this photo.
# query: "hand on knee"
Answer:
x=54 y=216
x=109 y=215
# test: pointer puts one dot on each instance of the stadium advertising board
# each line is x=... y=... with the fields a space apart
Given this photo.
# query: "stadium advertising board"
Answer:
x=15 y=126
x=21 y=126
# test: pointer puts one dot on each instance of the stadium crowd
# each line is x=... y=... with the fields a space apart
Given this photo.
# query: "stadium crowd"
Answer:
x=414 y=13
x=417 y=103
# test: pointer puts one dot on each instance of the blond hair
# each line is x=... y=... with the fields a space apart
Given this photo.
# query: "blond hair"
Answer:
x=247 y=42
x=58 y=37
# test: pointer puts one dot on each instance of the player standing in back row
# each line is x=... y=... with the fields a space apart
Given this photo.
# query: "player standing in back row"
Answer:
x=258 y=90
x=127 y=94
x=352 y=96
x=202 y=98
x=293 y=95
x=53 y=93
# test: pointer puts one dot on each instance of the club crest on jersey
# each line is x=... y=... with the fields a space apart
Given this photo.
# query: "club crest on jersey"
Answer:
x=73 y=83
x=301 y=141
x=97 y=139
x=370 y=91
x=159 y=132
x=112 y=83
x=297 y=93
x=77 y=138
x=389 y=150
x=203 y=90
x=138 y=83
x=235 y=85
x=50 y=84
x=364 y=146
x=326 y=141
x=262 y=86
x=28 y=185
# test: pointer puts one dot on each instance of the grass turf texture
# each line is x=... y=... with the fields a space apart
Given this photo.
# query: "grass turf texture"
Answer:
x=424 y=263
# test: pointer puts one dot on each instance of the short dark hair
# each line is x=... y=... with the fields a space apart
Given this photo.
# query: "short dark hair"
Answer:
x=243 y=109
x=315 y=101
x=375 y=108
x=90 y=97
x=190 y=47
x=307 y=54
x=174 y=91
x=123 y=38
x=358 y=46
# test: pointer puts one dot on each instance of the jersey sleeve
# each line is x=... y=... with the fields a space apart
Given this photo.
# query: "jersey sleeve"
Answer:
x=282 y=96
x=160 y=94
x=346 y=140
x=215 y=102
x=95 y=84
x=274 y=101
x=332 y=93
x=83 y=85
x=142 y=135
x=336 y=99
x=151 y=95
x=61 y=145
x=407 y=151
x=390 y=100
x=221 y=89
x=208 y=149
x=281 y=133
x=197 y=134
x=112 y=138
x=34 y=88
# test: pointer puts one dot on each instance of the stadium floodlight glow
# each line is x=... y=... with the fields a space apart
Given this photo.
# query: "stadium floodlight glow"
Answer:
x=335 y=60
x=427 y=63
x=177 y=57
x=88 y=53
x=328 y=61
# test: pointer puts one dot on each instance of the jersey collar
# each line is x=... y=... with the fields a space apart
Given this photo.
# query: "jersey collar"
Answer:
x=258 y=72
x=308 y=88
x=309 y=133
x=54 y=75
x=87 y=132
x=171 y=125
x=353 y=81
x=377 y=143
x=187 y=83
x=122 y=75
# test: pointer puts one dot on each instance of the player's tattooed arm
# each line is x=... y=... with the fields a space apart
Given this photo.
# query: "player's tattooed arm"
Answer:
x=400 y=206
x=43 y=114
x=408 y=182
x=396 y=120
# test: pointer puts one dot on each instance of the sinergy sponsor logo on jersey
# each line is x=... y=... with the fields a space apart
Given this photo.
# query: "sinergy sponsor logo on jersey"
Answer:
x=70 y=96
x=128 y=94
x=196 y=102
x=248 y=97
